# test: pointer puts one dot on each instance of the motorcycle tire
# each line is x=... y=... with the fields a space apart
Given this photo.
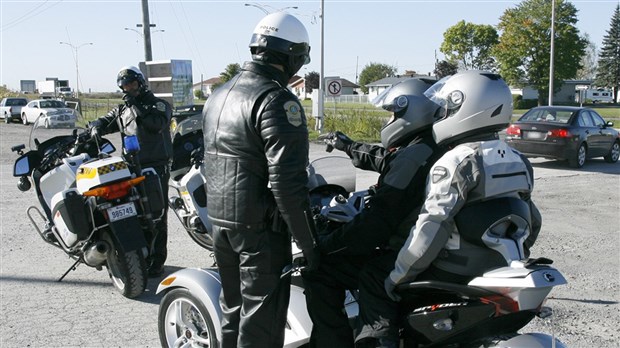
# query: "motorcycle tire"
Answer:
x=127 y=270
x=183 y=321
x=203 y=239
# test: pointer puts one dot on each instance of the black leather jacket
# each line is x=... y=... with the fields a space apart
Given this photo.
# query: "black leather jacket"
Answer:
x=256 y=154
x=149 y=120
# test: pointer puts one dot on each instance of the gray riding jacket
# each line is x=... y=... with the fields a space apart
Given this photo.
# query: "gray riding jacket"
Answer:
x=468 y=173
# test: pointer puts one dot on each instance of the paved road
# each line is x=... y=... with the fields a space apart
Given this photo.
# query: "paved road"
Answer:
x=85 y=311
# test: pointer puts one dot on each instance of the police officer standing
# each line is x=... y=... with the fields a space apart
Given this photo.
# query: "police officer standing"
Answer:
x=256 y=154
x=147 y=117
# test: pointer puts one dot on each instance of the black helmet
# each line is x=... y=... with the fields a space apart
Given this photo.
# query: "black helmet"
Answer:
x=280 y=38
x=129 y=74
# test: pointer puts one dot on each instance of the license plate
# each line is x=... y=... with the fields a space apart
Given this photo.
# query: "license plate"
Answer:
x=535 y=135
x=122 y=211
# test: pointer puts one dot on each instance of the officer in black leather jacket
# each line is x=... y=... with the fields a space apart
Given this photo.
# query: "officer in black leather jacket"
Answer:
x=256 y=154
x=403 y=162
x=147 y=117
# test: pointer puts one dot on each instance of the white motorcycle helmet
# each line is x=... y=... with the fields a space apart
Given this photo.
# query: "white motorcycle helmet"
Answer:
x=280 y=38
x=412 y=110
x=472 y=103
x=128 y=74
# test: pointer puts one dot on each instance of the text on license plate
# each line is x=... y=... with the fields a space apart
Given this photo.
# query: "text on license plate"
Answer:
x=122 y=211
x=535 y=135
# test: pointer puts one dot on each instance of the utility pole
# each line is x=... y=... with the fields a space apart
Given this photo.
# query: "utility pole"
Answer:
x=146 y=31
x=320 y=115
x=77 y=69
x=551 y=67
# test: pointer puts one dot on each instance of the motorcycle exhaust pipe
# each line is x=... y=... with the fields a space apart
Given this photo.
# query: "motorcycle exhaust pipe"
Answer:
x=96 y=254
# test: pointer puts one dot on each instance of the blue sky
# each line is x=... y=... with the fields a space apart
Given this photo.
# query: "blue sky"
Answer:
x=406 y=34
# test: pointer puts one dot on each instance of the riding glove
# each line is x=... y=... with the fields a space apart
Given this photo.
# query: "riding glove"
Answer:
x=390 y=288
x=339 y=141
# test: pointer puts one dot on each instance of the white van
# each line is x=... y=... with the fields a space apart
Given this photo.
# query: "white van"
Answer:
x=599 y=95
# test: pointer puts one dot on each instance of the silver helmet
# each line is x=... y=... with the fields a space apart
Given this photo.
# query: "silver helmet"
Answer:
x=472 y=103
x=412 y=110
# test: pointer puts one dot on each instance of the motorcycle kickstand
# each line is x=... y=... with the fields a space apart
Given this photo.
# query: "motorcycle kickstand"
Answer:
x=72 y=268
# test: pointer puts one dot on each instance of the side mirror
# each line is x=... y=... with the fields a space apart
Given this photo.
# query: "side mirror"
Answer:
x=610 y=124
x=22 y=166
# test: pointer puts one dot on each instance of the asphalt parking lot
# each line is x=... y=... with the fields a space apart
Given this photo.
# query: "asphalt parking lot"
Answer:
x=581 y=232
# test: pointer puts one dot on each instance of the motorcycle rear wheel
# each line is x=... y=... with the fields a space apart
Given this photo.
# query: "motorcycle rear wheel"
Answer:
x=183 y=321
x=127 y=270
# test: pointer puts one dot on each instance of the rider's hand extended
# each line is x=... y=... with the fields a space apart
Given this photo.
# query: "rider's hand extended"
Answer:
x=339 y=141
x=312 y=257
x=390 y=288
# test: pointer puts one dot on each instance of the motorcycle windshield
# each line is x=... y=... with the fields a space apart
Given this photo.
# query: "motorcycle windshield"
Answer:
x=333 y=171
x=57 y=121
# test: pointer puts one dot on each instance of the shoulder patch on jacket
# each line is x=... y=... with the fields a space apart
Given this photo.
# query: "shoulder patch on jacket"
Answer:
x=439 y=173
x=160 y=106
x=293 y=113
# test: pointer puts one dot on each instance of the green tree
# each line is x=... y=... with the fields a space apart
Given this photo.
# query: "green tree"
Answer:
x=588 y=61
x=470 y=45
x=230 y=71
x=312 y=81
x=609 y=57
x=523 y=51
x=445 y=68
x=373 y=72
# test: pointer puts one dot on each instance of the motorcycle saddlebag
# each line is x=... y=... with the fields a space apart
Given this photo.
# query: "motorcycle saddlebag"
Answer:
x=154 y=191
x=70 y=216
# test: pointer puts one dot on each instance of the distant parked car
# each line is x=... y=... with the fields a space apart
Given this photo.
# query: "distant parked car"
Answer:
x=55 y=113
x=10 y=108
x=564 y=133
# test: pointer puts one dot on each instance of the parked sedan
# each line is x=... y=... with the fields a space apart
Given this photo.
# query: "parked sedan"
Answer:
x=54 y=113
x=564 y=133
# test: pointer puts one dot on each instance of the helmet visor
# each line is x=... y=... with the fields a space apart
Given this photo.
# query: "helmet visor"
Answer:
x=387 y=101
x=283 y=46
x=449 y=100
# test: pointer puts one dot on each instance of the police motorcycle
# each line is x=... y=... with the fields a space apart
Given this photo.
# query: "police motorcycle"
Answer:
x=93 y=205
x=189 y=200
x=487 y=312
x=189 y=312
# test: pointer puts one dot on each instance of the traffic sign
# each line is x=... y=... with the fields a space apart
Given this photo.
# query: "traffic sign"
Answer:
x=334 y=87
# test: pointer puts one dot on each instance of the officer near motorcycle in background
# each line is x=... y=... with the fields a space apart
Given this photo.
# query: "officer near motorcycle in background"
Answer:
x=256 y=153
x=403 y=162
x=147 y=117
x=474 y=106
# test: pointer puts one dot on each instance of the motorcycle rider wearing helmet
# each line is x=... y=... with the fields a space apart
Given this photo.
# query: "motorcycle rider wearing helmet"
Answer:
x=147 y=117
x=256 y=153
x=403 y=161
x=474 y=105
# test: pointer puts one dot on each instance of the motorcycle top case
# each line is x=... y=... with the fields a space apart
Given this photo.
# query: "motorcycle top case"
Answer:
x=70 y=216
x=100 y=172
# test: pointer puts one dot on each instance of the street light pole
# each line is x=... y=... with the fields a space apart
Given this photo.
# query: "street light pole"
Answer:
x=77 y=69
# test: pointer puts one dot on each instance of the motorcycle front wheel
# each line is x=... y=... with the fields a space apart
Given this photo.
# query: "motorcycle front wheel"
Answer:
x=183 y=321
x=202 y=239
x=127 y=270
